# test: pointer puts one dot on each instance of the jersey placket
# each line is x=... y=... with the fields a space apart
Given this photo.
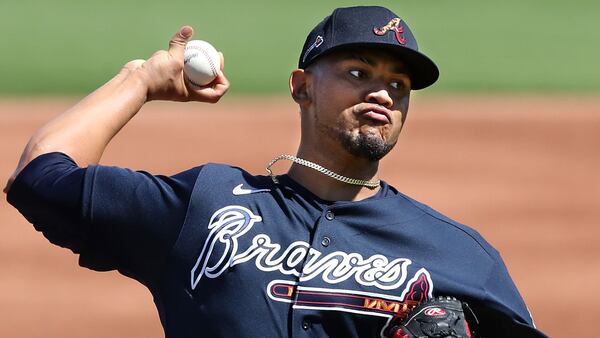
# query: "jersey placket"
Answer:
x=306 y=317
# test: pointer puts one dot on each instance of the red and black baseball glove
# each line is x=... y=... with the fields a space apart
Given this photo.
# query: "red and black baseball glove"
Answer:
x=440 y=317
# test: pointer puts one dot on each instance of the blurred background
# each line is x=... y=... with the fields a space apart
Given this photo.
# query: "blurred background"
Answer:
x=69 y=47
x=506 y=141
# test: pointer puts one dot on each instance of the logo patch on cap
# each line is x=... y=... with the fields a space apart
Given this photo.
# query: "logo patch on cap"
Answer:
x=316 y=44
x=395 y=26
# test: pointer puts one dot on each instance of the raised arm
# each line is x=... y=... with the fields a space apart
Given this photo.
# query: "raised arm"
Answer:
x=84 y=131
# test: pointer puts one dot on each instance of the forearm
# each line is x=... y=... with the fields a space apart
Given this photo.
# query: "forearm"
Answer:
x=84 y=131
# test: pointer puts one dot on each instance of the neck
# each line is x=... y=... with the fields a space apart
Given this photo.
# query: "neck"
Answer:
x=329 y=188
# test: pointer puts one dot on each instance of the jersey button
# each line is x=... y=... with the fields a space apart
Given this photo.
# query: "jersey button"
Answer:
x=325 y=241
x=329 y=215
x=305 y=325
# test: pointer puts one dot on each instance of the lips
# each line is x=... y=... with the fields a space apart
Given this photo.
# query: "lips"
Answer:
x=374 y=112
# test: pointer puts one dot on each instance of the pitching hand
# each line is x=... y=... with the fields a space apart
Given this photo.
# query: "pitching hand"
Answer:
x=162 y=74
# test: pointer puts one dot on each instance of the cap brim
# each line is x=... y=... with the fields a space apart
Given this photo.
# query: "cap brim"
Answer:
x=423 y=71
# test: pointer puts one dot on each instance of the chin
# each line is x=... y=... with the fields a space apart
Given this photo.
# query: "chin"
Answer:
x=366 y=146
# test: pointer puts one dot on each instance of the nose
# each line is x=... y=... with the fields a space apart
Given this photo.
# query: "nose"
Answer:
x=381 y=97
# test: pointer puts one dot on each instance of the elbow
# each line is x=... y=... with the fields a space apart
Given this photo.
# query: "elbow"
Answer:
x=37 y=181
x=47 y=192
x=33 y=149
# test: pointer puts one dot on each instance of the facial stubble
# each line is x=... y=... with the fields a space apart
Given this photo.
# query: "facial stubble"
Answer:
x=366 y=146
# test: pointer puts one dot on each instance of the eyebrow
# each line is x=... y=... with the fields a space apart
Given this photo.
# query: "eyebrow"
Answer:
x=362 y=59
x=400 y=69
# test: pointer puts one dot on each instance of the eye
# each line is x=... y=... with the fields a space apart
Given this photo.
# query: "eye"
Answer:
x=397 y=84
x=357 y=73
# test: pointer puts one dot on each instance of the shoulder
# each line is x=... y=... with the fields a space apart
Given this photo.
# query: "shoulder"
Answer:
x=493 y=294
x=230 y=176
x=436 y=227
x=443 y=222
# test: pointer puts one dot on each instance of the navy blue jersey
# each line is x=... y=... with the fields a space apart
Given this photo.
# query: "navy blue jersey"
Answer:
x=229 y=254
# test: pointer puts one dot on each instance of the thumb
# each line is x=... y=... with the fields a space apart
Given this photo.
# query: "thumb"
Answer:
x=178 y=41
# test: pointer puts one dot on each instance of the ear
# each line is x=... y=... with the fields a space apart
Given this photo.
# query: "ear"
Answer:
x=299 y=86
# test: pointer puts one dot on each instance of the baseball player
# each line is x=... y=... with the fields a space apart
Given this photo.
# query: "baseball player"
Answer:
x=324 y=250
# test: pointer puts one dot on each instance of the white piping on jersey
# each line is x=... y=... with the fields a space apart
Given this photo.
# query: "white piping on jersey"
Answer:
x=400 y=298
x=299 y=288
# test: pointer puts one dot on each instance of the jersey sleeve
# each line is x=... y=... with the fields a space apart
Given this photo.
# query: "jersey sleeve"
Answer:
x=115 y=218
x=503 y=308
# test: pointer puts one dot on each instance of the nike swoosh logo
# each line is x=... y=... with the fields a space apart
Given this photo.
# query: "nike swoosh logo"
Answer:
x=238 y=190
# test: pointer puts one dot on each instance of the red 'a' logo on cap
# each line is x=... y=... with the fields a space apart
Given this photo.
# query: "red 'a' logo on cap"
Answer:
x=393 y=25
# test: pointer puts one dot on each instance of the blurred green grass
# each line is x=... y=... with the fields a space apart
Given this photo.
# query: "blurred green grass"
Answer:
x=71 y=47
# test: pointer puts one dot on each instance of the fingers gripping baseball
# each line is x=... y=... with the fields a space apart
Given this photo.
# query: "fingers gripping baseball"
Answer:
x=213 y=91
x=164 y=78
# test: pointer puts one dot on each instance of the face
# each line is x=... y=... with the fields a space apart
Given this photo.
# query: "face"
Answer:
x=356 y=99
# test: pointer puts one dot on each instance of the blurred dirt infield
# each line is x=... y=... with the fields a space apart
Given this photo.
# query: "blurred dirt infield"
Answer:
x=524 y=171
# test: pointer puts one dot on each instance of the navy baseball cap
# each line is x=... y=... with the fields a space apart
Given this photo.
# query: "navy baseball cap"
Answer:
x=369 y=26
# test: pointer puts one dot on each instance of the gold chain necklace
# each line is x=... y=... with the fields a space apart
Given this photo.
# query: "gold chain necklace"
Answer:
x=324 y=171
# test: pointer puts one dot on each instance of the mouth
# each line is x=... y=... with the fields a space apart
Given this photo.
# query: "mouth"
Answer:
x=374 y=112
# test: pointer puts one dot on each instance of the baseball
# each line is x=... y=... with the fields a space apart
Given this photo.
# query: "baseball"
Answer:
x=201 y=62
